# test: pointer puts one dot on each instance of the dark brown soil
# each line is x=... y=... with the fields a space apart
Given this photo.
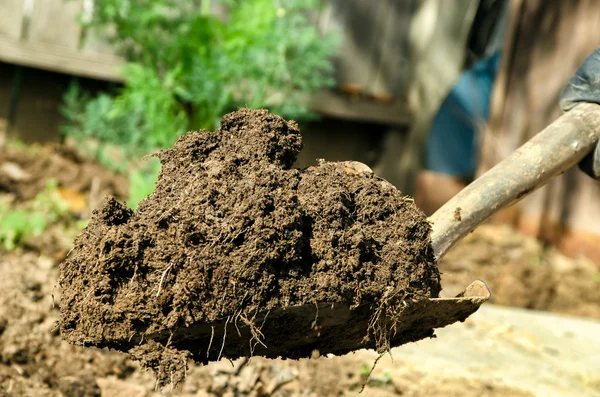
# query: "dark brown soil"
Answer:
x=232 y=234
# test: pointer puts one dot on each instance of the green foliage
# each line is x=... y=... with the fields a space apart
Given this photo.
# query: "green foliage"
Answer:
x=379 y=381
x=17 y=144
x=365 y=370
x=18 y=225
x=187 y=67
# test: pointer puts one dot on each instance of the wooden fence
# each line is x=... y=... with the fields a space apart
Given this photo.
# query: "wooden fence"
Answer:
x=46 y=35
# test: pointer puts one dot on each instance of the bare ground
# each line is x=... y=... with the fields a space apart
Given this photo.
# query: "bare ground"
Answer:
x=521 y=272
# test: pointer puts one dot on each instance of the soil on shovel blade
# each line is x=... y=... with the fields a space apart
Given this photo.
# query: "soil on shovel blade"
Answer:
x=232 y=236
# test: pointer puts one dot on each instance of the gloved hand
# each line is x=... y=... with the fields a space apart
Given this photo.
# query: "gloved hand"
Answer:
x=584 y=86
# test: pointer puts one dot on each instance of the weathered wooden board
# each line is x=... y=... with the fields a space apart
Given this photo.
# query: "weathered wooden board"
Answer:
x=374 y=50
x=11 y=18
x=6 y=78
x=45 y=34
x=547 y=41
x=60 y=59
x=356 y=54
x=346 y=107
x=438 y=40
x=37 y=114
x=392 y=56
x=56 y=23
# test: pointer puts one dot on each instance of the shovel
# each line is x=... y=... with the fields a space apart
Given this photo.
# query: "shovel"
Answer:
x=325 y=328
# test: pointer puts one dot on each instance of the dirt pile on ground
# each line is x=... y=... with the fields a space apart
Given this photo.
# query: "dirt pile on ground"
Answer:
x=231 y=234
x=25 y=173
x=522 y=272
x=33 y=359
x=42 y=180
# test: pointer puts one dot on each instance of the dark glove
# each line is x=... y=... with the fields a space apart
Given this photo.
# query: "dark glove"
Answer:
x=584 y=86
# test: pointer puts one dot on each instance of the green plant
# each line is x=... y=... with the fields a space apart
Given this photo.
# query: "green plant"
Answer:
x=187 y=67
x=376 y=381
x=365 y=370
x=18 y=225
x=17 y=144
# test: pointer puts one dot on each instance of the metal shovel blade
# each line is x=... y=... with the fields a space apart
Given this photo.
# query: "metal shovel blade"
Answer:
x=318 y=329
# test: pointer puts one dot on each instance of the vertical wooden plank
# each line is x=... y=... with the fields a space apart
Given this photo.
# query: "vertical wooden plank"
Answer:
x=490 y=150
x=55 y=22
x=390 y=64
x=11 y=18
x=38 y=116
x=92 y=41
x=6 y=76
x=358 y=19
x=323 y=20
x=438 y=37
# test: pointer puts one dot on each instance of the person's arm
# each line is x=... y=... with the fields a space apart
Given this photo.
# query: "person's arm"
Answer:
x=584 y=86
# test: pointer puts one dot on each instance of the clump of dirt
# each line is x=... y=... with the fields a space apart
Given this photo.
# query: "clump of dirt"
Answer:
x=35 y=362
x=230 y=238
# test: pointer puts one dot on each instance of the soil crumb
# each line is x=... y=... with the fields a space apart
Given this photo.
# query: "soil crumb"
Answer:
x=232 y=236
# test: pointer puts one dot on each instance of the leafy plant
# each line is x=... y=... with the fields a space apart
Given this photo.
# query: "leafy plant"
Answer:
x=187 y=67
x=18 y=225
x=365 y=370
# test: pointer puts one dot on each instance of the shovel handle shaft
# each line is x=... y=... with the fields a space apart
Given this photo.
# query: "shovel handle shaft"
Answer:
x=561 y=145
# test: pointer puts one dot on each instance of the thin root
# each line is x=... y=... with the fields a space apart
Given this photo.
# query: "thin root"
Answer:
x=212 y=335
x=224 y=336
x=162 y=278
x=370 y=372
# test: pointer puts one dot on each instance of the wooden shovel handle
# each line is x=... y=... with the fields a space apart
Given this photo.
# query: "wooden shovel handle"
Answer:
x=561 y=145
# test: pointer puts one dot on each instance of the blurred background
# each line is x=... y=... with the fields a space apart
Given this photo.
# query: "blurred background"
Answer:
x=428 y=93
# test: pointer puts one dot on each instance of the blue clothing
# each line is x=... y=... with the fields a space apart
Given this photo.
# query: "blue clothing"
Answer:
x=452 y=142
